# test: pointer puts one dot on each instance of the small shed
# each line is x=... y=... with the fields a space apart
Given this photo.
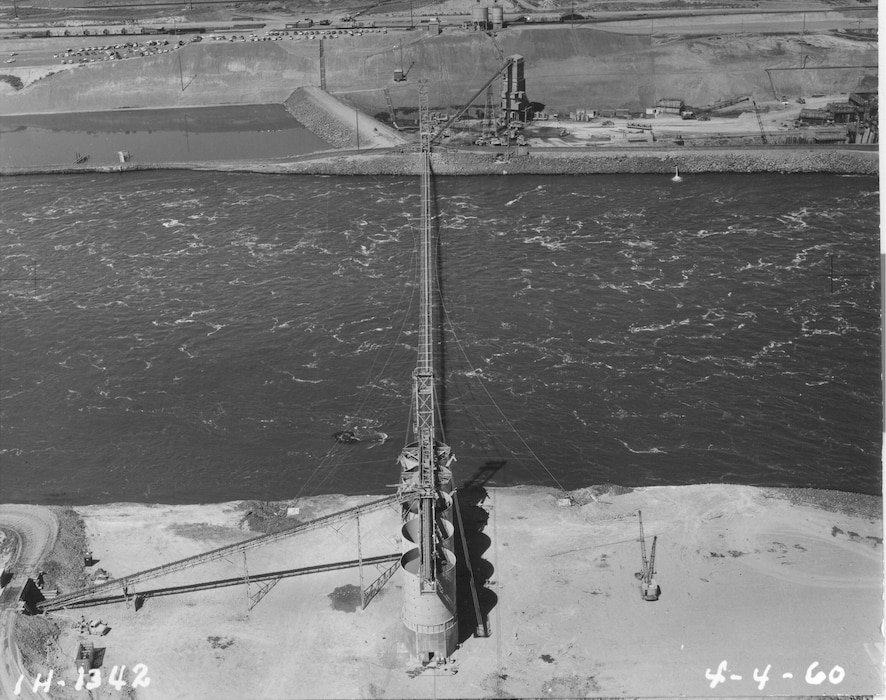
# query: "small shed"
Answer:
x=863 y=99
x=830 y=135
x=814 y=116
x=638 y=136
x=842 y=112
x=670 y=102
x=85 y=656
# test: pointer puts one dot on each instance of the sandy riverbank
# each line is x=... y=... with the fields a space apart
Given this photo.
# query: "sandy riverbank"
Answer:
x=774 y=579
x=402 y=161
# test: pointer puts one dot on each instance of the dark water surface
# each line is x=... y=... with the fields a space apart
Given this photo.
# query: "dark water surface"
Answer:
x=234 y=132
x=201 y=336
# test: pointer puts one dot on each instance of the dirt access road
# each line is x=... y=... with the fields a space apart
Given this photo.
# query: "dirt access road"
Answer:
x=35 y=530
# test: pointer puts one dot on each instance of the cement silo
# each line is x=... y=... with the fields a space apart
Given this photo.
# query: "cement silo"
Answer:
x=480 y=18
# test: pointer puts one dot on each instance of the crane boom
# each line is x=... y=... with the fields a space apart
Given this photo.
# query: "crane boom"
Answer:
x=643 y=545
x=760 y=123
x=651 y=570
x=649 y=589
x=467 y=104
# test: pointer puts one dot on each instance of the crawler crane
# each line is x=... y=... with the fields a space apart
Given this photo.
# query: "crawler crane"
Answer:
x=648 y=587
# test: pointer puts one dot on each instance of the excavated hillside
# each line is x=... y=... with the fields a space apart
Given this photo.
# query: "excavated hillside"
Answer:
x=566 y=68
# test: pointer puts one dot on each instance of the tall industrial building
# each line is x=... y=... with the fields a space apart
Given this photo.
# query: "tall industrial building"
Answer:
x=514 y=103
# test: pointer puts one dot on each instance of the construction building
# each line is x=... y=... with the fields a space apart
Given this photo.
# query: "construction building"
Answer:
x=842 y=112
x=669 y=105
x=514 y=103
x=814 y=116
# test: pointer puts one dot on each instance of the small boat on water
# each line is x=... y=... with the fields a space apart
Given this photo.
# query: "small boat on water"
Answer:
x=676 y=177
x=80 y=158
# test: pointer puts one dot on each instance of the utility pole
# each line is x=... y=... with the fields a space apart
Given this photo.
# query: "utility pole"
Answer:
x=322 y=67
x=360 y=565
x=357 y=120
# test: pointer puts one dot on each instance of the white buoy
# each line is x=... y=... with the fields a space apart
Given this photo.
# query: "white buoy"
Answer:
x=677 y=177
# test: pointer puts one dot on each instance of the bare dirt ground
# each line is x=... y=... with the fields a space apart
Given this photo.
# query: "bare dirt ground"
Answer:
x=763 y=592
x=30 y=533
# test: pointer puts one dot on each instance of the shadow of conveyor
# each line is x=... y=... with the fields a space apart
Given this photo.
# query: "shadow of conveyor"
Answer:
x=474 y=518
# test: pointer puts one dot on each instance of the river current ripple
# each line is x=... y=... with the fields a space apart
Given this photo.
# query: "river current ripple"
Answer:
x=200 y=337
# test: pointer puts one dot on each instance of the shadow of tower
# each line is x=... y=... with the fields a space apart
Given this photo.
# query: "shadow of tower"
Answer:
x=474 y=518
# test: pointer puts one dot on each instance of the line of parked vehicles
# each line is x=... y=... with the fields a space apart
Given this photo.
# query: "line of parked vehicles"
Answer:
x=113 y=52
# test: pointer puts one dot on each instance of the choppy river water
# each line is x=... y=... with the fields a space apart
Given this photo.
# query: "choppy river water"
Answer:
x=201 y=336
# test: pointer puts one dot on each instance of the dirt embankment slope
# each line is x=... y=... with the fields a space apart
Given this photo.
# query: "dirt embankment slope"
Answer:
x=565 y=68
x=338 y=124
x=605 y=70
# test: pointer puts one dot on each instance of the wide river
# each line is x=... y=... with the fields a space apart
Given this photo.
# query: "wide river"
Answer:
x=190 y=337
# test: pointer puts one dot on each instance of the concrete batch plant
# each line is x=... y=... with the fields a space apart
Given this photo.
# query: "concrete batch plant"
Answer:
x=484 y=18
x=514 y=103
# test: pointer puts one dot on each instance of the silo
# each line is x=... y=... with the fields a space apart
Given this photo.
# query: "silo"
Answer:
x=497 y=16
x=480 y=17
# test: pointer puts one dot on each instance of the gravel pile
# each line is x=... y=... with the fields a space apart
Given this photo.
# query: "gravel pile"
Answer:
x=860 y=504
x=403 y=161
x=64 y=566
x=571 y=163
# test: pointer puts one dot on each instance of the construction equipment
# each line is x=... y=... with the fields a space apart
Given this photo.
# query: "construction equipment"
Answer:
x=439 y=133
x=649 y=589
x=759 y=122
x=391 y=110
x=400 y=74
x=725 y=103
x=489 y=113
x=110 y=587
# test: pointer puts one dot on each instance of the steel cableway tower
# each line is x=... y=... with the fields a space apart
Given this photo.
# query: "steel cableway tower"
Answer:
x=425 y=489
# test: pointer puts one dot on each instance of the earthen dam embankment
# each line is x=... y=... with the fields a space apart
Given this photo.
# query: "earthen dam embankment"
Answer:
x=566 y=68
